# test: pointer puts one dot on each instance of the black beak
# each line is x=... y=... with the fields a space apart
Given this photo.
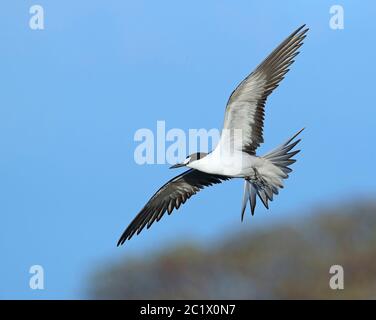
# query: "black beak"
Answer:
x=178 y=165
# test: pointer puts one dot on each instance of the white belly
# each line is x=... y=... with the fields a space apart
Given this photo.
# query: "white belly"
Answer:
x=236 y=164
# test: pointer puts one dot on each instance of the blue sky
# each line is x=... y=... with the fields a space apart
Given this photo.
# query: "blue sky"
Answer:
x=74 y=94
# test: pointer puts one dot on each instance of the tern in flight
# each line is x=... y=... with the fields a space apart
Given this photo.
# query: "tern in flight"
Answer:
x=235 y=155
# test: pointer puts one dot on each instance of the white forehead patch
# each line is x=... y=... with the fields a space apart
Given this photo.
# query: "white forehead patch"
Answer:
x=186 y=161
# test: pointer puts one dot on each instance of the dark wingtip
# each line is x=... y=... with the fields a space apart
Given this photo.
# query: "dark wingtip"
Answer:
x=302 y=27
x=122 y=239
x=120 y=242
x=300 y=30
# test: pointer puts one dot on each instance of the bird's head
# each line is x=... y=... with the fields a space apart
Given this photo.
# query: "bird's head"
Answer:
x=188 y=160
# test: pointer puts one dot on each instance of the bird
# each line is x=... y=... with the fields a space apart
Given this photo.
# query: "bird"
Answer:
x=235 y=154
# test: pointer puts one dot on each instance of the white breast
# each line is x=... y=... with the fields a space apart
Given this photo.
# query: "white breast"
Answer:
x=235 y=164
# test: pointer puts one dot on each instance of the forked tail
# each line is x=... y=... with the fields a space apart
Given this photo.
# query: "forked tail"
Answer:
x=269 y=174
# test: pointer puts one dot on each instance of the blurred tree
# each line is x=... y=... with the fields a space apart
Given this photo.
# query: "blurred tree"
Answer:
x=288 y=261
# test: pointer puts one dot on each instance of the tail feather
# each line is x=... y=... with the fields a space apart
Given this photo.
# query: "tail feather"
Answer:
x=268 y=178
x=246 y=193
x=252 y=199
x=249 y=194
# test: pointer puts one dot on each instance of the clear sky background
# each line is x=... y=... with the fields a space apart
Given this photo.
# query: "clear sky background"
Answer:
x=73 y=95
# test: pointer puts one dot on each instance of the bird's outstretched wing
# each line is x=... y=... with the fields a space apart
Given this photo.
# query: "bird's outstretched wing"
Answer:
x=170 y=197
x=245 y=108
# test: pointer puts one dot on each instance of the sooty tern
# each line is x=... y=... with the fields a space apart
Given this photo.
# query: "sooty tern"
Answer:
x=235 y=155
